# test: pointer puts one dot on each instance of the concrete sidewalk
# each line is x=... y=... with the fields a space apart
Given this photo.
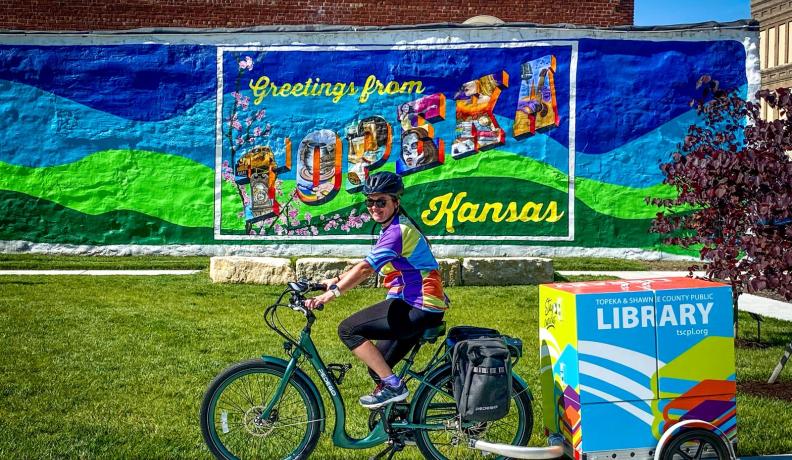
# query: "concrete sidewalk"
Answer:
x=99 y=272
x=747 y=302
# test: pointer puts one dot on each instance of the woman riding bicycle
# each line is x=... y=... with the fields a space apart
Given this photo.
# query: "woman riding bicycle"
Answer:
x=415 y=299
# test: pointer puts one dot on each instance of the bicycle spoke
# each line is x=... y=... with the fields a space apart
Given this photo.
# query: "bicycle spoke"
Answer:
x=683 y=453
x=699 y=451
x=238 y=395
x=236 y=407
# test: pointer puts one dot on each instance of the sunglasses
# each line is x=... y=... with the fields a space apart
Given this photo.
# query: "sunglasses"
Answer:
x=380 y=203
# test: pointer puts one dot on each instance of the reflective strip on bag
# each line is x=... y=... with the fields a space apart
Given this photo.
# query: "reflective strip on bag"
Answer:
x=489 y=370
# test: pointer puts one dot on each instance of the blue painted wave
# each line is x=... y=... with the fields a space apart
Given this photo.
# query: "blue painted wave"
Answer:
x=66 y=131
x=625 y=88
x=43 y=129
x=637 y=163
x=137 y=82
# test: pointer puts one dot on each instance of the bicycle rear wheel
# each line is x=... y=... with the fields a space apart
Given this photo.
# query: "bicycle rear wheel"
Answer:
x=433 y=406
x=231 y=409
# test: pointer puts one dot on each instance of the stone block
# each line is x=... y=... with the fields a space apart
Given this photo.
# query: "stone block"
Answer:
x=504 y=271
x=255 y=270
x=319 y=268
x=451 y=270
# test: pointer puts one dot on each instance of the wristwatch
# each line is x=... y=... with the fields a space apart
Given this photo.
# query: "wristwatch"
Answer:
x=334 y=289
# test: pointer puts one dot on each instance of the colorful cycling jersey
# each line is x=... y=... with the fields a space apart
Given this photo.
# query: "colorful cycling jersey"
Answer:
x=403 y=256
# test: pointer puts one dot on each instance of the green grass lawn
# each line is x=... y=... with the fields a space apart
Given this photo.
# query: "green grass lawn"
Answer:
x=62 y=262
x=115 y=367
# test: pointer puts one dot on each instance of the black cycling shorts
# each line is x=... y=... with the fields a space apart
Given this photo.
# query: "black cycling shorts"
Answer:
x=393 y=323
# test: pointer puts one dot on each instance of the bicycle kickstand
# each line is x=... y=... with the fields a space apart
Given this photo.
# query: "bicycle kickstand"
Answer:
x=390 y=451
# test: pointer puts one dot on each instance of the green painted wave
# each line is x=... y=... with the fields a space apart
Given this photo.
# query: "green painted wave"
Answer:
x=181 y=191
x=592 y=228
x=610 y=199
x=602 y=197
x=23 y=217
x=169 y=187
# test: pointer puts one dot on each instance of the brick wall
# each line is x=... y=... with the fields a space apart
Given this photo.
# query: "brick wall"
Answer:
x=128 y=14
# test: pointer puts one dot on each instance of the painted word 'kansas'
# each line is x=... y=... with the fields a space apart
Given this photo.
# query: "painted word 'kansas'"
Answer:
x=685 y=314
x=454 y=209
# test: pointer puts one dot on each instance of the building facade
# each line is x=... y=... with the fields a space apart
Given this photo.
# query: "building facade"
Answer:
x=775 y=38
x=131 y=14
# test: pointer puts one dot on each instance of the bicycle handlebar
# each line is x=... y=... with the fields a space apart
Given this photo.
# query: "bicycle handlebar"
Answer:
x=298 y=289
x=303 y=286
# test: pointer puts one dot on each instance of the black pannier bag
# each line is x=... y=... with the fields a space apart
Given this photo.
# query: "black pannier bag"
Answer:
x=481 y=372
x=459 y=333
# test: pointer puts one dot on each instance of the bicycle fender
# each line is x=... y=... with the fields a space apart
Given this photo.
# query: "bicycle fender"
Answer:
x=301 y=375
x=516 y=376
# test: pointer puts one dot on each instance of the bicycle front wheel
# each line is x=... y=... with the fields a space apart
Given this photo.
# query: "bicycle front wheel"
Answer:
x=231 y=421
x=437 y=406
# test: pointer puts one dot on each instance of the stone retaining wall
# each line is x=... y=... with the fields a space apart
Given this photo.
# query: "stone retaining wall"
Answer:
x=503 y=271
x=472 y=271
x=256 y=270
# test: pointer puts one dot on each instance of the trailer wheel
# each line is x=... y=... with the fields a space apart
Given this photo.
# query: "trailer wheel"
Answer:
x=695 y=444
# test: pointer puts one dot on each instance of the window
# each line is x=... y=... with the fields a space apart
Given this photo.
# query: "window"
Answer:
x=763 y=49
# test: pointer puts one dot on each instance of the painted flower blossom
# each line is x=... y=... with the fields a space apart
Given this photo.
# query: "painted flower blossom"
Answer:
x=247 y=64
x=235 y=122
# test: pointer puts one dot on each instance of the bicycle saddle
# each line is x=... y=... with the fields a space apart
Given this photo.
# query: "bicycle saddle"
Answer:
x=431 y=334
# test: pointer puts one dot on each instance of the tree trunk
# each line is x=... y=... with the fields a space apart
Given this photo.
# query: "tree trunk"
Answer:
x=781 y=362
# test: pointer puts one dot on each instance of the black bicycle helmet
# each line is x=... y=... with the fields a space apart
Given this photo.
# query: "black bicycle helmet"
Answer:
x=384 y=182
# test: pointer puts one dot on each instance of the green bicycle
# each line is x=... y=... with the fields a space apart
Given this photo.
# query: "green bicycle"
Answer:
x=270 y=408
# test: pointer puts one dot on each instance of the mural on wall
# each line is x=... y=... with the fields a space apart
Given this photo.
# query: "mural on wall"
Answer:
x=347 y=121
x=551 y=143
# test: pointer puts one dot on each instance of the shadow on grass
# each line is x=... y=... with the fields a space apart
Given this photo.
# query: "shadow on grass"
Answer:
x=773 y=334
x=779 y=390
x=24 y=283
x=559 y=278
